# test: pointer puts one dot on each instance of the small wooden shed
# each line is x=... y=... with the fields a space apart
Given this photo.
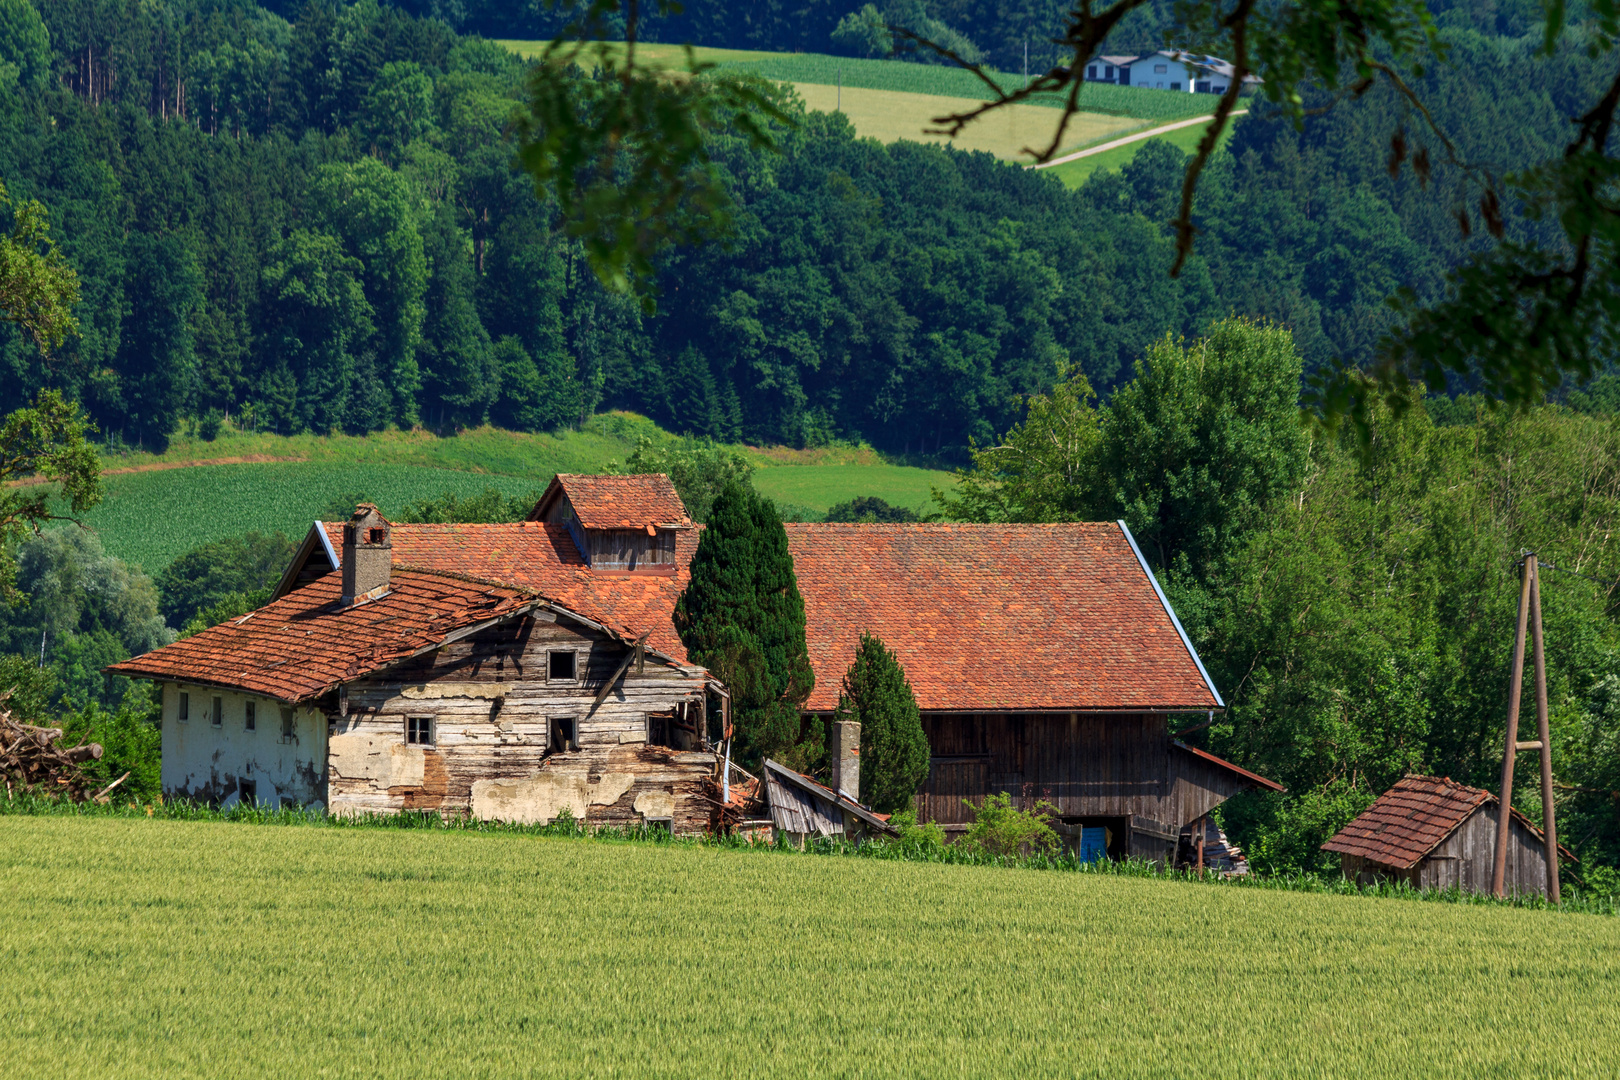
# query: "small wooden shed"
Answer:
x=801 y=808
x=1436 y=834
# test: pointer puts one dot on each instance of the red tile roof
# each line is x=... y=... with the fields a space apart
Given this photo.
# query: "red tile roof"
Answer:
x=620 y=502
x=1413 y=818
x=303 y=645
x=983 y=617
x=995 y=617
x=542 y=557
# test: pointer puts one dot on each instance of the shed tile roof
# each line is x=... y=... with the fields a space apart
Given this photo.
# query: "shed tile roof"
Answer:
x=622 y=502
x=541 y=557
x=1411 y=819
x=995 y=617
x=304 y=644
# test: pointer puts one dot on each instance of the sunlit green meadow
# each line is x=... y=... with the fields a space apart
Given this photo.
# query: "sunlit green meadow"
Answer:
x=154 y=948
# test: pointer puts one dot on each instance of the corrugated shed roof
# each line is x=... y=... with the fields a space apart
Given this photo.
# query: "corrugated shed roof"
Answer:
x=1411 y=819
x=621 y=502
x=996 y=617
x=305 y=644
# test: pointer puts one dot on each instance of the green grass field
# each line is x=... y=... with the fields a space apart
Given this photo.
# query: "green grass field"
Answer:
x=1075 y=173
x=820 y=486
x=179 y=949
x=158 y=506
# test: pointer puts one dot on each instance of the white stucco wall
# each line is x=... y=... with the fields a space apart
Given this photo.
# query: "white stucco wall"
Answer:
x=202 y=760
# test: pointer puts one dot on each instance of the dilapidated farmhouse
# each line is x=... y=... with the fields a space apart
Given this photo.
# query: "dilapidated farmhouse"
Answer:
x=510 y=670
x=1432 y=833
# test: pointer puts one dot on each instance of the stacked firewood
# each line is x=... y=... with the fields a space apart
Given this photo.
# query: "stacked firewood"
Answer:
x=32 y=759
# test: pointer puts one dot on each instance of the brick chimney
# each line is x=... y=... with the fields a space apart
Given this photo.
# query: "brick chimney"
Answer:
x=845 y=754
x=368 y=555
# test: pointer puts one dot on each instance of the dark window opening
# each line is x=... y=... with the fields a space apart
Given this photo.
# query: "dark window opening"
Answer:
x=419 y=730
x=247 y=791
x=661 y=730
x=185 y=706
x=564 y=734
x=289 y=724
x=1091 y=72
x=218 y=716
x=561 y=665
x=1175 y=86
x=374 y=536
x=250 y=713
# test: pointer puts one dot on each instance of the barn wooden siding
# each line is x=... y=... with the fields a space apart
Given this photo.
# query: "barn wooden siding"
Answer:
x=1466 y=859
x=493 y=706
x=1089 y=765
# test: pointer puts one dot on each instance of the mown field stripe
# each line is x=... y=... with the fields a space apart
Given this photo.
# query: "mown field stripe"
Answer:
x=198 y=949
x=1127 y=140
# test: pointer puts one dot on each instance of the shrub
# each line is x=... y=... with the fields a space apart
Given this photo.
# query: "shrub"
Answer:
x=1000 y=828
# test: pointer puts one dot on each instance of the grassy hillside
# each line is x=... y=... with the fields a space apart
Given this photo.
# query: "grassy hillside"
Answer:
x=158 y=506
x=185 y=949
x=893 y=99
x=1075 y=173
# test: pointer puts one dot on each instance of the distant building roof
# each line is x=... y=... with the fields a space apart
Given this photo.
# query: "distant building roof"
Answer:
x=1411 y=819
x=617 y=502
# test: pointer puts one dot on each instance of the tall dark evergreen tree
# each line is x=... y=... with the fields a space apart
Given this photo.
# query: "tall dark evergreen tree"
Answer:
x=894 y=750
x=742 y=617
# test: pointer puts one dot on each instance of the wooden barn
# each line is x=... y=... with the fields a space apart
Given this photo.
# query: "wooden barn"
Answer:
x=1435 y=834
x=1046 y=661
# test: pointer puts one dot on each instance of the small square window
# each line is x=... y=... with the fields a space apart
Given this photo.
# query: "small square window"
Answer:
x=289 y=723
x=419 y=730
x=250 y=714
x=564 y=734
x=561 y=665
x=1159 y=69
x=185 y=707
x=1091 y=72
x=374 y=536
x=217 y=716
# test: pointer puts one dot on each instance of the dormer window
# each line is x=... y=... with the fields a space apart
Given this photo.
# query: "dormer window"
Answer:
x=619 y=524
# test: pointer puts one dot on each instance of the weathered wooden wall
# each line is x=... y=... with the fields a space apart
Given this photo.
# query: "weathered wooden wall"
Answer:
x=494 y=706
x=1467 y=859
x=1089 y=765
x=615 y=549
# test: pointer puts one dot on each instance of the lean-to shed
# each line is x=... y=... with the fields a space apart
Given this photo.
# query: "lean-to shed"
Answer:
x=1436 y=834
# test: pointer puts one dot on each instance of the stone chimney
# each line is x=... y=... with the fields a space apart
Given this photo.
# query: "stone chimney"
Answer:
x=368 y=555
x=845 y=754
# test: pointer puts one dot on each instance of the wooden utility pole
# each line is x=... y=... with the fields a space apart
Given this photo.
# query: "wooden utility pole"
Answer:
x=1529 y=600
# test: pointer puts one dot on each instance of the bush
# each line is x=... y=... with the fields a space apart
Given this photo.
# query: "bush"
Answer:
x=869 y=508
x=1001 y=829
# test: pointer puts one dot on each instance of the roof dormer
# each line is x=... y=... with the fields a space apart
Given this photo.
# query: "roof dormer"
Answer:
x=620 y=524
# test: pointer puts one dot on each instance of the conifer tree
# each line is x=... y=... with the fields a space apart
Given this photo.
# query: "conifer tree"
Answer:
x=894 y=750
x=742 y=617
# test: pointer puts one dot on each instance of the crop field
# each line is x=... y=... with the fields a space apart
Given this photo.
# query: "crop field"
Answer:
x=151 y=517
x=891 y=115
x=158 y=506
x=159 y=948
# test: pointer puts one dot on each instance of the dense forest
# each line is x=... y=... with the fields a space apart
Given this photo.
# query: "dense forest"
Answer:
x=313 y=223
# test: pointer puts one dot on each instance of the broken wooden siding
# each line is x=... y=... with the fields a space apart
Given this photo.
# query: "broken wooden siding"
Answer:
x=494 y=707
x=1089 y=765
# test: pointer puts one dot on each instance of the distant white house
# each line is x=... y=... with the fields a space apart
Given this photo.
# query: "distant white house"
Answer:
x=1166 y=69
